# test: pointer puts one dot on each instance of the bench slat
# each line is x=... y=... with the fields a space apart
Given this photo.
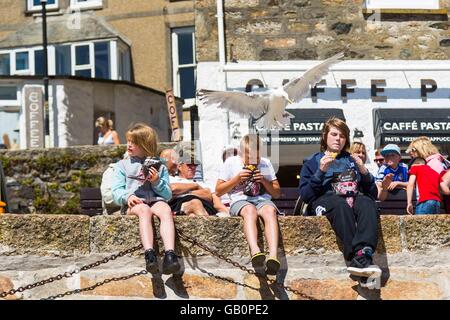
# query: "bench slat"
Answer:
x=91 y=203
x=90 y=194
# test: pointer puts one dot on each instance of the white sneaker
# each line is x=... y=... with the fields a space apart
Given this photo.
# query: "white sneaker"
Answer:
x=223 y=214
x=370 y=271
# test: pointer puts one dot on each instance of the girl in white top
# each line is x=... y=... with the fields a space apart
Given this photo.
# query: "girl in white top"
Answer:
x=106 y=136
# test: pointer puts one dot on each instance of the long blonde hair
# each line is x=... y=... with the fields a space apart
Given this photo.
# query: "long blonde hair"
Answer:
x=101 y=122
x=423 y=146
x=356 y=147
x=145 y=137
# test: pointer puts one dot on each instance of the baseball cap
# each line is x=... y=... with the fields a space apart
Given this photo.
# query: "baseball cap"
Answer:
x=390 y=148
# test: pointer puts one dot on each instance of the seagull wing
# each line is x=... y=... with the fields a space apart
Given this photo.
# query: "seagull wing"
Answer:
x=299 y=87
x=244 y=104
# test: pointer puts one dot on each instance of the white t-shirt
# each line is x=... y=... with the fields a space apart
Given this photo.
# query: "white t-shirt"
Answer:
x=234 y=165
x=178 y=179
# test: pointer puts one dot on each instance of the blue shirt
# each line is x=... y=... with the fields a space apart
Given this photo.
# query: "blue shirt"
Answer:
x=400 y=174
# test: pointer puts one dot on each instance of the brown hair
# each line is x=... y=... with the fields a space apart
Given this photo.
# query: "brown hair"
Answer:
x=423 y=146
x=145 y=137
x=338 y=124
x=378 y=153
x=103 y=123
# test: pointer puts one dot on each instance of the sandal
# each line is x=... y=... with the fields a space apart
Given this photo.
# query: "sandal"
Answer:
x=272 y=266
x=258 y=260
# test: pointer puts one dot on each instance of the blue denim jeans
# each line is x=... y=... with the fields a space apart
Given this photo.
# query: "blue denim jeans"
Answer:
x=428 y=207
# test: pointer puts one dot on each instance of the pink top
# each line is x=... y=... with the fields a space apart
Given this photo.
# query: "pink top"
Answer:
x=436 y=162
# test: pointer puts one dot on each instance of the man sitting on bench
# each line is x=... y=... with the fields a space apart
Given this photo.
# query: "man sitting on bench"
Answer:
x=191 y=197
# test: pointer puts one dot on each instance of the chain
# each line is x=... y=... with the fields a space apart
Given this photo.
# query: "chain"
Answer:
x=71 y=273
x=98 y=284
x=217 y=254
x=182 y=235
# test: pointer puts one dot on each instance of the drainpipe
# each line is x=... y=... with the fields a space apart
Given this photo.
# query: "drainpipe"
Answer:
x=221 y=34
x=221 y=39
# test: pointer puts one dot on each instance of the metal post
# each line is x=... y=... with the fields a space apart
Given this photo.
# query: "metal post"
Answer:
x=45 y=78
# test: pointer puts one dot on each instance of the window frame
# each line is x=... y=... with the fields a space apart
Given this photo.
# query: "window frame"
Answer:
x=30 y=70
x=93 y=4
x=176 y=66
x=8 y=52
x=32 y=8
x=83 y=67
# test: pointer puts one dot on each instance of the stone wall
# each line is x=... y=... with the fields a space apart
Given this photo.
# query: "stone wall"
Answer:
x=49 y=181
x=413 y=253
x=316 y=29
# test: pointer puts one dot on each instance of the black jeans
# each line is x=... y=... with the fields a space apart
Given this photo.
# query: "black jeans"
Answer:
x=357 y=227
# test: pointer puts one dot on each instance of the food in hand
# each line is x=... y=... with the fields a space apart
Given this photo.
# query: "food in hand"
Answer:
x=251 y=167
x=333 y=154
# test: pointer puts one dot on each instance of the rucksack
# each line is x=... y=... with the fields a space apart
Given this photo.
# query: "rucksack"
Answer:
x=106 y=189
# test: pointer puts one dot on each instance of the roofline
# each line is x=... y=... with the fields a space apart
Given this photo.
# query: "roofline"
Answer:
x=122 y=82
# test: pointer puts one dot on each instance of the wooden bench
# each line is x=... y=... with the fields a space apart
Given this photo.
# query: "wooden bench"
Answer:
x=289 y=202
x=91 y=201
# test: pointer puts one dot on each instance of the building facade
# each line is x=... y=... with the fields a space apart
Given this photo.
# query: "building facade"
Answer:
x=147 y=43
x=393 y=85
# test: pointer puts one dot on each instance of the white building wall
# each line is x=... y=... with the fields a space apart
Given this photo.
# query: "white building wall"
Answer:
x=402 y=90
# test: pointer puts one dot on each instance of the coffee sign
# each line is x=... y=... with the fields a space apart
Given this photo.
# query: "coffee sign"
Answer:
x=34 y=117
x=173 y=116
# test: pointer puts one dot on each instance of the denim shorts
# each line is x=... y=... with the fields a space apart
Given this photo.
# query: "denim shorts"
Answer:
x=428 y=207
x=238 y=205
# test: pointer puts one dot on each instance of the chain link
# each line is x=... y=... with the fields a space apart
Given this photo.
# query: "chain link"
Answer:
x=69 y=274
x=217 y=254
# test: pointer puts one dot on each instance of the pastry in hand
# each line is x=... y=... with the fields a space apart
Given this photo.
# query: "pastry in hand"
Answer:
x=333 y=154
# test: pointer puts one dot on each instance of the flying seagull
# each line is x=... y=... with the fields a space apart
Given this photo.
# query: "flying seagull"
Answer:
x=268 y=108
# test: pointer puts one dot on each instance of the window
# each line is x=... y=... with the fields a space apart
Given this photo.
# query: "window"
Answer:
x=35 y=5
x=8 y=93
x=124 y=64
x=82 y=65
x=5 y=64
x=184 y=64
x=102 y=58
x=22 y=62
x=63 y=60
x=86 y=4
x=402 y=4
x=9 y=97
x=39 y=62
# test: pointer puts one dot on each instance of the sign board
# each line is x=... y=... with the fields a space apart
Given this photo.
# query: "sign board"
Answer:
x=305 y=128
x=173 y=115
x=34 y=117
x=401 y=126
x=402 y=4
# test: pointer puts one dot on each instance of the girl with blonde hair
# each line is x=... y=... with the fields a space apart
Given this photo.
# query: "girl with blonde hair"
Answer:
x=144 y=193
x=422 y=147
x=107 y=135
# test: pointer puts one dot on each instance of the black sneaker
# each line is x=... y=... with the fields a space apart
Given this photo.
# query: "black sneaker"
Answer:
x=361 y=264
x=151 y=262
x=170 y=264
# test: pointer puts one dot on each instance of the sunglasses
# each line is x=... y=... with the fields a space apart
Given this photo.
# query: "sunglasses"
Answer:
x=379 y=160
